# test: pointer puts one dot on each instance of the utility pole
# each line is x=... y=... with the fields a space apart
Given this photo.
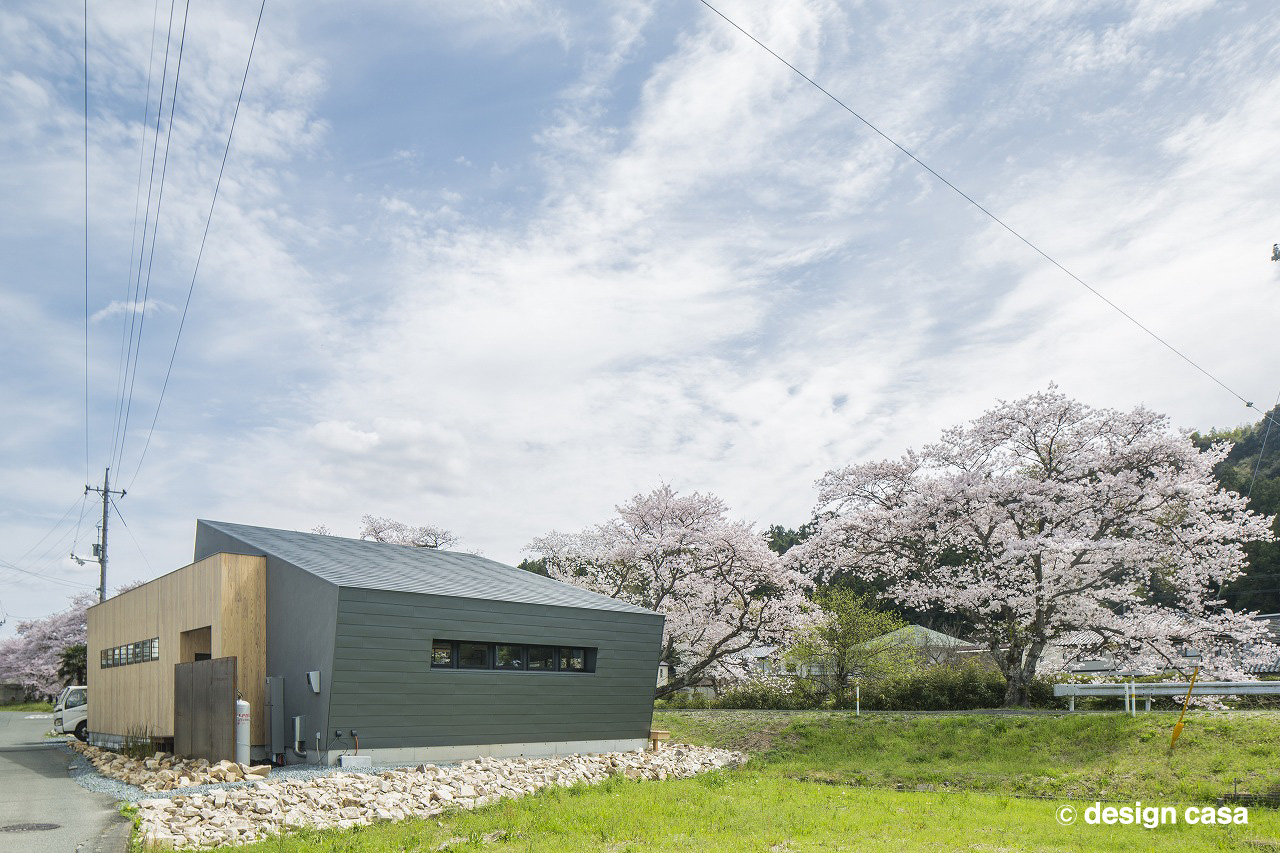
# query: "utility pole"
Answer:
x=100 y=549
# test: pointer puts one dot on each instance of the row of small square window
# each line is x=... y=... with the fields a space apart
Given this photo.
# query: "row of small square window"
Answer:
x=459 y=654
x=139 y=652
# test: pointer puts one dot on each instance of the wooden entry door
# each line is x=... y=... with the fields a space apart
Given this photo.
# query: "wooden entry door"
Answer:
x=204 y=709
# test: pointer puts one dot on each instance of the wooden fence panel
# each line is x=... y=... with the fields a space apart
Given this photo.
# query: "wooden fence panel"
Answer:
x=182 y=677
x=222 y=709
x=204 y=709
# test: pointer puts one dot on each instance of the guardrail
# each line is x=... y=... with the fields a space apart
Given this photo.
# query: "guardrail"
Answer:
x=1129 y=691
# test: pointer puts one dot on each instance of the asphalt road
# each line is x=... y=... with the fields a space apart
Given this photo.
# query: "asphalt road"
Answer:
x=35 y=790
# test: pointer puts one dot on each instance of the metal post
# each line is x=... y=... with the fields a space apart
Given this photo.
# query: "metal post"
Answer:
x=857 y=700
x=102 y=549
x=106 y=493
x=1071 y=702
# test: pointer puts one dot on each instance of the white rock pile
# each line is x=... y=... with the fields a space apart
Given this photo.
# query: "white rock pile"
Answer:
x=165 y=772
x=249 y=813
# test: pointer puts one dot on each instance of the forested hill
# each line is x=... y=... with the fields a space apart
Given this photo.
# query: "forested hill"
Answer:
x=1260 y=588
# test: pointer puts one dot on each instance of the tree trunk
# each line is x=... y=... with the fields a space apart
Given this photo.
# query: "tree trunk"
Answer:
x=1019 y=673
x=1017 y=691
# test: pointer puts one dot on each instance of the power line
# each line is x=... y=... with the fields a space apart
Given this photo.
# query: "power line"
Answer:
x=203 y=239
x=133 y=232
x=136 y=544
x=116 y=439
x=164 y=168
x=80 y=500
x=989 y=214
x=86 y=239
x=1261 y=450
x=10 y=567
x=46 y=561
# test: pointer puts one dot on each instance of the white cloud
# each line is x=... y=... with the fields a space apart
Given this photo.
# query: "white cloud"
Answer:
x=694 y=269
x=120 y=308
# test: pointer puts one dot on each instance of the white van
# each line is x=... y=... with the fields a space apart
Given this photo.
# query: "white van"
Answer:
x=71 y=713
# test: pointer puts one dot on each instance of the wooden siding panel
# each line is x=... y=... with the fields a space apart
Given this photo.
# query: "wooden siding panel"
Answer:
x=243 y=617
x=190 y=598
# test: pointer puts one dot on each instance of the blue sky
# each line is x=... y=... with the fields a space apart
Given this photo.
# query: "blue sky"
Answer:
x=498 y=266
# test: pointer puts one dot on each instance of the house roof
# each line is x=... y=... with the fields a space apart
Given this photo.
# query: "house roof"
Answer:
x=918 y=635
x=362 y=564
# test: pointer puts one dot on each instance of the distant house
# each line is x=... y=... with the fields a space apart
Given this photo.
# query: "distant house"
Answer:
x=1074 y=653
x=420 y=654
x=935 y=647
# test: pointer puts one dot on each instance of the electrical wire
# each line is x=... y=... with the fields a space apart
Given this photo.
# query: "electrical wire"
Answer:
x=47 y=558
x=80 y=501
x=133 y=231
x=52 y=554
x=1262 y=450
x=990 y=215
x=86 y=239
x=146 y=221
x=136 y=544
x=164 y=168
x=203 y=239
x=63 y=581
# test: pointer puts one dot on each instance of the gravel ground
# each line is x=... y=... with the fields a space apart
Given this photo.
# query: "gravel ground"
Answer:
x=88 y=777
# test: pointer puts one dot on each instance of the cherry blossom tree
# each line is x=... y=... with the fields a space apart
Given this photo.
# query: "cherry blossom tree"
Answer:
x=399 y=533
x=33 y=656
x=715 y=580
x=1047 y=520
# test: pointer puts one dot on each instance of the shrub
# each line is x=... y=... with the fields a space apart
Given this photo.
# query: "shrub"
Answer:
x=766 y=696
x=960 y=687
x=963 y=686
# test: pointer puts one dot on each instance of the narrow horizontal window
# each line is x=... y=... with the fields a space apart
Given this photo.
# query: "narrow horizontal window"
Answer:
x=142 y=651
x=442 y=656
x=509 y=657
x=573 y=660
x=473 y=655
x=542 y=658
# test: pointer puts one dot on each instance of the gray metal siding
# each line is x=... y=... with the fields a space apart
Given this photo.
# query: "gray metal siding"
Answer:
x=301 y=626
x=384 y=687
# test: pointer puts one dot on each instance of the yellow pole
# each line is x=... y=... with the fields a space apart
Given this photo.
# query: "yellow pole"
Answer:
x=1177 y=729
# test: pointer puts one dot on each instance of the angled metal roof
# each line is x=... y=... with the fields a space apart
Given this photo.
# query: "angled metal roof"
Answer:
x=401 y=568
x=918 y=635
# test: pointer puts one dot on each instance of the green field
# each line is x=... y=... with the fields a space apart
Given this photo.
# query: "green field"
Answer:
x=27 y=706
x=830 y=781
x=1080 y=756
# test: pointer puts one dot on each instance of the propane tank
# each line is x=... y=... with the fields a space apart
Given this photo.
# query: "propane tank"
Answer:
x=242 y=732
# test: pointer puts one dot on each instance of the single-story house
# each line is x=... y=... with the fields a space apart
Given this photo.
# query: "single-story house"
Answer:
x=406 y=654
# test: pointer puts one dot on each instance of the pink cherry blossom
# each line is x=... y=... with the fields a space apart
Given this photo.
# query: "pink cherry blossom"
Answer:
x=719 y=586
x=1046 y=520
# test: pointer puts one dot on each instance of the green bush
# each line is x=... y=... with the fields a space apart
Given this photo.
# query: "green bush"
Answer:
x=956 y=687
x=960 y=687
x=683 y=702
x=763 y=696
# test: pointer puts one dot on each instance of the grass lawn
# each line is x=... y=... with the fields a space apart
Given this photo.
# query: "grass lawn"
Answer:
x=825 y=781
x=1081 y=756
x=27 y=706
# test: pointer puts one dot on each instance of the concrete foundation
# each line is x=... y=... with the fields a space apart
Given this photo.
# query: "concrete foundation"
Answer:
x=446 y=754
